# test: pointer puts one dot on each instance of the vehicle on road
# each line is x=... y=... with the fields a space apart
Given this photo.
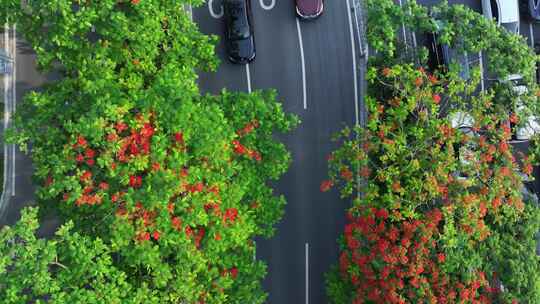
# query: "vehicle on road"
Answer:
x=530 y=9
x=240 y=41
x=441 y=56
x=504 y=12
x=309 y=9
x=531 y=124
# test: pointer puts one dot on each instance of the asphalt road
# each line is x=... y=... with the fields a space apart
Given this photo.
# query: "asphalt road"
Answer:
x=22 y=194
x=310 y=217
x=312 y=220
x=306 y=237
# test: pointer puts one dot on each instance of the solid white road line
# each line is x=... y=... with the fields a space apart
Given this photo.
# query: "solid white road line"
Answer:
x=307 y=272
x=268 y=7
x=6 y=119
x=189 y=10
x=358 y=31
x=304 y=91
x=354 y=61
x=14 y=103
x=248 y=74
x=531 y=34
x=403 y=30
x=413 y=34
x=481 y=71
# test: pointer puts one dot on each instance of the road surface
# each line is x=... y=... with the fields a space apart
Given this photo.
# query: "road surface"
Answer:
x=311 y=64
x=320 y=88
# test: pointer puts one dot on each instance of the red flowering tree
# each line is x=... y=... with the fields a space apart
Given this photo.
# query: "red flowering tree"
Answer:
x=439 y=213
x=174 y=194
x=433 y=197
x=128 y=149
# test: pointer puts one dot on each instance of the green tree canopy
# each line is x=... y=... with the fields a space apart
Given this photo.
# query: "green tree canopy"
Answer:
x=439 y=212
x=70 y=268
x=126 y=147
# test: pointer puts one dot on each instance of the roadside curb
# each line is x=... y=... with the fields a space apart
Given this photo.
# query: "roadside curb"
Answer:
x=9 y=89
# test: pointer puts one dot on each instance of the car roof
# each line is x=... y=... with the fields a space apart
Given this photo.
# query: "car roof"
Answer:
x=236 y=2
x=309 y=5
x=509 y=11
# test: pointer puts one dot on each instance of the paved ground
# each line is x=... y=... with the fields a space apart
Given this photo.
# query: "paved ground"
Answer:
x=311 y=217
x=22 y=194
x=312 y=220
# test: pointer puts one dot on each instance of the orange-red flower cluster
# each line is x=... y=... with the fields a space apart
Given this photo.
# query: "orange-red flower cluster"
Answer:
x=389 y=256
x=137 y=143
x=242 y=150
x=248 y=128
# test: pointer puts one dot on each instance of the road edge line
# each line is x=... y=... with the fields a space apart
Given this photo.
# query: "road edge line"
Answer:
x=302 y=58
x=248 y=75
x=14 y=105
x=351 y=31
x=6 y=118
x=307 y=272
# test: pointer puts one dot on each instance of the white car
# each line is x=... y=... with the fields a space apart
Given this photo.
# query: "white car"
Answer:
x=465 y=153
x=531 y=124
x=505 y=13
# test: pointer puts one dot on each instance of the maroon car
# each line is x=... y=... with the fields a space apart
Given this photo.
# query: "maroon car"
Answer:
x=309 y=9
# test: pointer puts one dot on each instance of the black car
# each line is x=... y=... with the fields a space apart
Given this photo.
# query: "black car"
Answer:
x=530 y=9
x=440 y=56
x=239 y=31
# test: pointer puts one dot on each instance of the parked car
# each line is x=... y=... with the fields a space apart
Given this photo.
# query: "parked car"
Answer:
x=240 y=41
x=309 y=9
x=531 y=9
x=504 y=12
x=463 y=122
x=531 y=125
x=441 y=56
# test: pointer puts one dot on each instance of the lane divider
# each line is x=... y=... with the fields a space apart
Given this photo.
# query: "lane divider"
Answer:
x=6 y=123
x=189 y=11
x=481 y=64
x=300 y=41
x=14 y=103
x=10 y=49
x=307 y=272
x=248 y=74
x=353 y=49
x=403 y=29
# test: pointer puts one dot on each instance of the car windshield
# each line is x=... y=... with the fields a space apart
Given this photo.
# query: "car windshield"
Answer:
x=494 y=10
x=238 y=27
x=512 y=27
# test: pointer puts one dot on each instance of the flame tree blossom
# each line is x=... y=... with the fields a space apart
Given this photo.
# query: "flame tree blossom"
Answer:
x=425 y=225
x=127 y=113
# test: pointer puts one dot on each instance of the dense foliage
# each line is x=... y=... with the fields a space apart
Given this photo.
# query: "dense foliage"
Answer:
x=456 y=25
x=126 y=147
x=68 y=269
x=438 y=211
